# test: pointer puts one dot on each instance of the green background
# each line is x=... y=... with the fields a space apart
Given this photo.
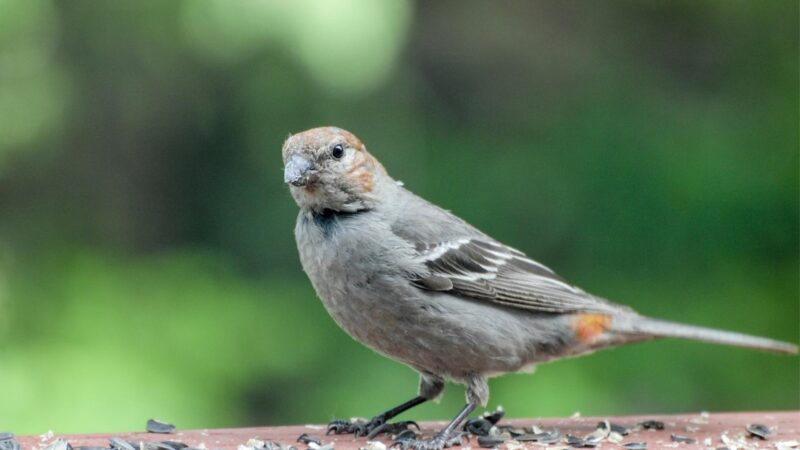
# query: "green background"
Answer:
x=647 y=151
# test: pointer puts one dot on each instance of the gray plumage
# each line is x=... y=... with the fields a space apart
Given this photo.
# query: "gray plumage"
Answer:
x=419 y=285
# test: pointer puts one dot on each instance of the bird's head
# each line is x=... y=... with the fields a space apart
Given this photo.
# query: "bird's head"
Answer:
x=329 y=168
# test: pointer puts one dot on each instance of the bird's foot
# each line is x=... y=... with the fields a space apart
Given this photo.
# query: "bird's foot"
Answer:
x=438 y=442
x=370 y=429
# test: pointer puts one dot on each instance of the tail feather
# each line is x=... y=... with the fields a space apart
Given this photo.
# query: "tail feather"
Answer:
x=640 y=328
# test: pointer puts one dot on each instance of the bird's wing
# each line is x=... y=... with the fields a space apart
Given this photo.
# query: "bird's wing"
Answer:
x=487 y=270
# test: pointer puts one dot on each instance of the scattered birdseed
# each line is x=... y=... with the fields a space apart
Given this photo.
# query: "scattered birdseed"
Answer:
x=542 y=437
x=734 y=443
x=575 y=441
x=495 y=416
x=408 y=435
x=314 y=446
x=59 y=444
x=635 y=445
x=478 y=427
x=707 y=442
x=512 y=431
x=306 y=439
x=597 y=436
x=652 y=425
x=374 y=445
x=703 y=419
x=786 y=445
x=682 y=439
x=619 y=429
x=614 y=437
x=514 y=445
x=165 y=445
x=121 y=444
x=8 y=442
x=760 y=431
x=46 y=436
x=157 y=426
x=489 y=441
x=548 y=437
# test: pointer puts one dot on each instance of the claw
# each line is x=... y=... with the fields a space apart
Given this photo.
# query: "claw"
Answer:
x=339 y=427
x=369 y=429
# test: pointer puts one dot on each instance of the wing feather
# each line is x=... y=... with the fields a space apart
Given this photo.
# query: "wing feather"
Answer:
x=487 y=270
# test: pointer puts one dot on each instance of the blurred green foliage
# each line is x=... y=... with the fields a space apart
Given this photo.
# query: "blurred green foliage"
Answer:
x=647 y=151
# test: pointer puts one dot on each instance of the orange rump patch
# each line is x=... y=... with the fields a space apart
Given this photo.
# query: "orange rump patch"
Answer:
x=589 y=327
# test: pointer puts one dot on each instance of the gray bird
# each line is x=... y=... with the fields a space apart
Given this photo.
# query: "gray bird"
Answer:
x=423 y=287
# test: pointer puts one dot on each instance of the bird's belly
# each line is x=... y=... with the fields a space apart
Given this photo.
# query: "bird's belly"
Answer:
x=448 y=336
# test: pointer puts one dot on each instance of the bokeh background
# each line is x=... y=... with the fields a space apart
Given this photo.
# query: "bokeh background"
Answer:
x=647 y=151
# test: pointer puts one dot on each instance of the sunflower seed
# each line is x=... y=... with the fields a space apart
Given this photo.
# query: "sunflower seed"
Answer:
x=575 y=441
x=512 y=431
x=8 y=442
x=306 y=439
x=597 y=436
x=652 y=425
x=489 y=441
x=478 y=427
x=374 y=445
x=407 y=435
x=328 y=446
x=760 y=431
x=619 y=429
x=164 y=445
x=614 y=437
x=495 y=416
x=121 y=444
x=59 y=444
x=175 y=444
x=548 y=437
x=156 y=426
x=635 y=445
x=682 y=439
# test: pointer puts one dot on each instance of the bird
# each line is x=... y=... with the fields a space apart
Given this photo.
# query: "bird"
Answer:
x=419 y=285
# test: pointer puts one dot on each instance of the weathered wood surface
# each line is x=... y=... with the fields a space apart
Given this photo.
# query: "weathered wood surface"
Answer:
x=704 y=428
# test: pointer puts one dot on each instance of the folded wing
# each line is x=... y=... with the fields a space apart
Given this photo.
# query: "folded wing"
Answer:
x=487 y=270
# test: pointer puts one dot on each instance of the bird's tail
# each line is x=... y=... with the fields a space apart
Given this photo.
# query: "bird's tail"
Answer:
x=641 y=328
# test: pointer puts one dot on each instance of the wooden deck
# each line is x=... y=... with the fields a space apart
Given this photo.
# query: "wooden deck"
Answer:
x=707 y=430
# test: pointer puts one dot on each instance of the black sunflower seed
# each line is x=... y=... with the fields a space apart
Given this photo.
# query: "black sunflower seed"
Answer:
x=156 y=426
x=8 y=442
x=489 y=441
x=306 y=439
x=495 y=417
x=616 y=428
x=635 y=445
x=652 y=425
x=575 y=441
x=407 y=435
x=121 y=444
x=759 y=431
x=682 y=439
x=478 y=427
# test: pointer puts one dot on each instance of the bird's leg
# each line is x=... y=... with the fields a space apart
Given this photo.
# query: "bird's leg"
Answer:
x=430 y=387
x=378 y=424
x=448 y=437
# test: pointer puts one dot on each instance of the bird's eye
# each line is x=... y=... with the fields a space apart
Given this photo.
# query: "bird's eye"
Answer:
x=337 y=151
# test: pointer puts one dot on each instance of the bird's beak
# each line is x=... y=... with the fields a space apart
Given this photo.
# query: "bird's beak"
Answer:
x=298 y=171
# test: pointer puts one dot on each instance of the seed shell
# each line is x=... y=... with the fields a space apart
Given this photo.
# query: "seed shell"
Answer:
x=157 y=426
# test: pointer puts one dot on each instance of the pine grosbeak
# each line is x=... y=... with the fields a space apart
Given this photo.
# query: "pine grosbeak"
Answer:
x=421 y=286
